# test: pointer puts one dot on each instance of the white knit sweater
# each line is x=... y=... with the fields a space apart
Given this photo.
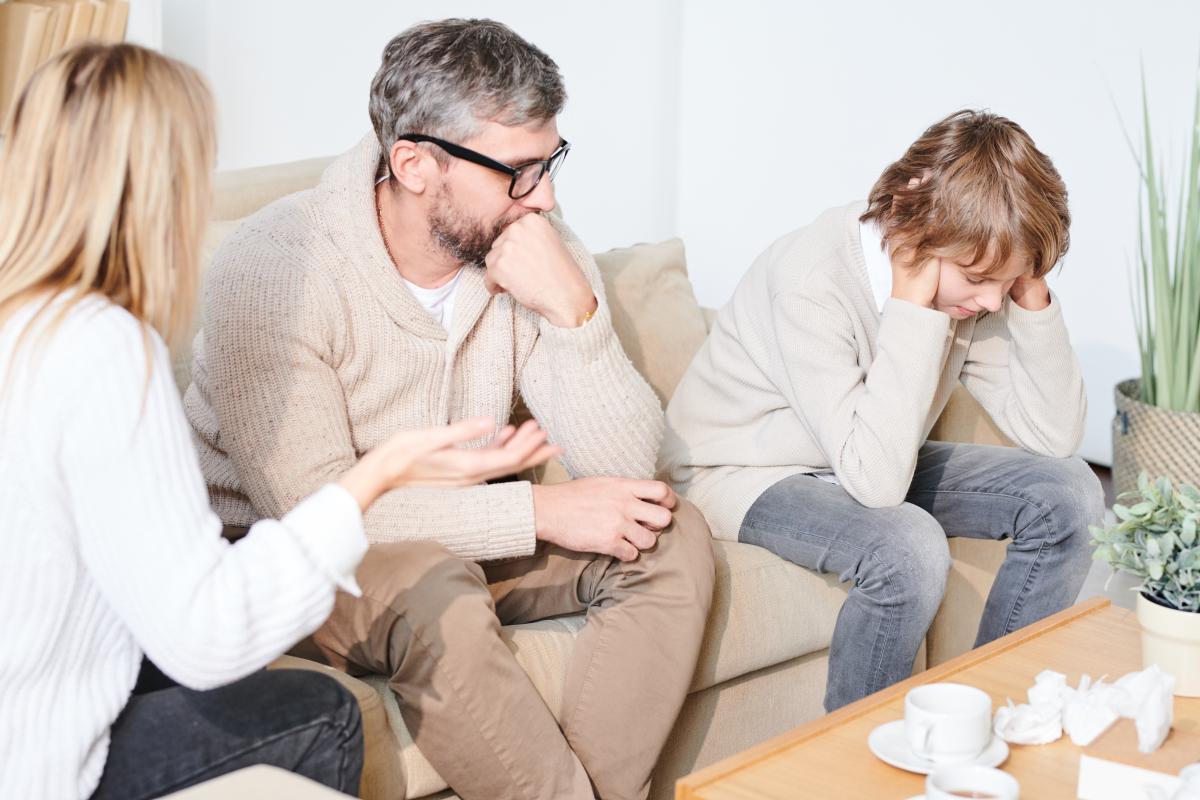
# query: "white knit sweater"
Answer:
x=110 y=551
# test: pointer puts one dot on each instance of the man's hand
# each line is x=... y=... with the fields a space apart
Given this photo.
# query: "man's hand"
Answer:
x=1030 y=293
x=916 y=283
x=529 y=261
x=612 y=516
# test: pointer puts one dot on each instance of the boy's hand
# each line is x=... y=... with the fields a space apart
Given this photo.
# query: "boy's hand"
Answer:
x=1030 y=293
x=916 y=283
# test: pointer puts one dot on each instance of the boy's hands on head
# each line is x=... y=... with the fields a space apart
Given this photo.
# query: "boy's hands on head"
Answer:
x=1030 y=293
x=916 y=283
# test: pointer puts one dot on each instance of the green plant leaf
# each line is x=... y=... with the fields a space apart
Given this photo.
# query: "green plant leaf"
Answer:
x=1142 y=509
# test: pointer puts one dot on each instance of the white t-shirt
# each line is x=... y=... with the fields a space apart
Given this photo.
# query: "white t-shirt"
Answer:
x=879 y=265
x=438 y=302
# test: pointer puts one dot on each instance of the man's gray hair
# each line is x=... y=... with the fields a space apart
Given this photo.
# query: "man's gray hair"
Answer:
x=446 y=78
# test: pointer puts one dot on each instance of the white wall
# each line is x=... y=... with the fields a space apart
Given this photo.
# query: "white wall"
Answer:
x=731 y=124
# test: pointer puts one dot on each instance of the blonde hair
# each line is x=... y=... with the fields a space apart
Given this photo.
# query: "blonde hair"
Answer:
x=974 y=184
x=105 y=187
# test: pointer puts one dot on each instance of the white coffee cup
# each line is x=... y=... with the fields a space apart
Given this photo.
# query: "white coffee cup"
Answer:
x=982 y=783
x=947 y=722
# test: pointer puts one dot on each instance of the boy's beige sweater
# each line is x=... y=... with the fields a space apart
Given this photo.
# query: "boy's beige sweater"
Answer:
x=802 y=373
x=313 y=352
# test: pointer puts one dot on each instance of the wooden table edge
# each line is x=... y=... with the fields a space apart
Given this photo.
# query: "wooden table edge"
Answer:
x=687 y=786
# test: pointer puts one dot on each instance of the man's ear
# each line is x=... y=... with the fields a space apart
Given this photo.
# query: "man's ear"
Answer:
x=409 y=166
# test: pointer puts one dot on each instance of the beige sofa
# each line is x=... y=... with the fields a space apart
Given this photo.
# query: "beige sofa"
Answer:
x=762 y=668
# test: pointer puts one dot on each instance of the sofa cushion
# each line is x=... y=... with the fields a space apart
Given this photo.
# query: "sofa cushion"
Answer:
x=654 y=310
x=765 y=612
x=656 y=318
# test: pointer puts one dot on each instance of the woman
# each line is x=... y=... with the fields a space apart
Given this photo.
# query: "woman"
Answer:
x=110 y=549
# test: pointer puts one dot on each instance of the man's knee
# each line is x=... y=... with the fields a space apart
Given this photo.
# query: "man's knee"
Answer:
x=413 y=589
x=683 y=560
x=416 y=569
x=909 y=562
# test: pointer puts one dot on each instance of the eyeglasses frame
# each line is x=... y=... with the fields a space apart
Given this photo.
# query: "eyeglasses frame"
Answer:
x=467 y=154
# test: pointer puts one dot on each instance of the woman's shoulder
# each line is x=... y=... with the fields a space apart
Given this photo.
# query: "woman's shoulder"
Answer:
x=89 y=333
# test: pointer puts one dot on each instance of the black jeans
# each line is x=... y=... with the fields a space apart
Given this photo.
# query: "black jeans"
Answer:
x=171 y=738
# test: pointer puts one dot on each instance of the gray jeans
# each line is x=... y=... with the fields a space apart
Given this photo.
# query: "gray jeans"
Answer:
x=897 y=558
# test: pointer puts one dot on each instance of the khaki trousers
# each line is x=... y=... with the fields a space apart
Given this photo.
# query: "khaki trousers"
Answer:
x=431 y=621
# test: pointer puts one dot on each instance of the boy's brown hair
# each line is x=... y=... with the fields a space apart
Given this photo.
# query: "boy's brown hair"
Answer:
x=974 y=186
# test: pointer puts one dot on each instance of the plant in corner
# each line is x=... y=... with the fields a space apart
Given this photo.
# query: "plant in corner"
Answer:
x=1157 y=425
x=1157 y=538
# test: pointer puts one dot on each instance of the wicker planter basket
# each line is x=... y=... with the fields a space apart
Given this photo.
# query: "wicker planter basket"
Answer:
x=1157 y=440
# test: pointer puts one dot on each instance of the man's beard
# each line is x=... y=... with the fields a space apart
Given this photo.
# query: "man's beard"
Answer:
x=464 y=239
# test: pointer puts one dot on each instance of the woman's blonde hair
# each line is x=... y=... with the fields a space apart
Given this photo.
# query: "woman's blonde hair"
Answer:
x=105 y=186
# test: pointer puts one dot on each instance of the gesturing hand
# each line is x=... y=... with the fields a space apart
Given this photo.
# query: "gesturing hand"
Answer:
x=529 y=261
x=612 y=516
x=430 y=457
x=916 y=283
x=1030 y=293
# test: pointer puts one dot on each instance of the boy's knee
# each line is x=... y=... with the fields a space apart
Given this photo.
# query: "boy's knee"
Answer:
x=911 y=558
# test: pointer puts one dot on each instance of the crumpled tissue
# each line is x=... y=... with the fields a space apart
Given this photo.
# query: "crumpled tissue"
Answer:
x=1084 y=713
x=1188 y=789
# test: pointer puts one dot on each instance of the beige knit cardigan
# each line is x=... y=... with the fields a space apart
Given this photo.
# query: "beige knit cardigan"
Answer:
x=802 y=373
x=313 y=352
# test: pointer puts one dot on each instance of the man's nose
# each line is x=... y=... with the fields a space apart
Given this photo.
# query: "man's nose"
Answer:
x=542 y=196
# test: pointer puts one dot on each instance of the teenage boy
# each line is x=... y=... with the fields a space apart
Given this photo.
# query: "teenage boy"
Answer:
x=801 y=424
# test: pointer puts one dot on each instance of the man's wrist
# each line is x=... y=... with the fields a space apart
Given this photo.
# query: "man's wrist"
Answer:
x=573 y=314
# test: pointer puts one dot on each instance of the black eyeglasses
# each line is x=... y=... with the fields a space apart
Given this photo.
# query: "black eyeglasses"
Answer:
x=525 y=177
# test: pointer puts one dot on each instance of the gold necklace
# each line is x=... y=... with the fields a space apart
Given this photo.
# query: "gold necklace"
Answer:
x=387 y=248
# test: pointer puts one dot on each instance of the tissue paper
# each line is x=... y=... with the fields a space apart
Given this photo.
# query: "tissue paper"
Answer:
x=1087 y=711
x=1150 y=702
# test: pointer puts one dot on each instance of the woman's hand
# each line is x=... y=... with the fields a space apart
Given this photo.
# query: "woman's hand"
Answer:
x=431 y=457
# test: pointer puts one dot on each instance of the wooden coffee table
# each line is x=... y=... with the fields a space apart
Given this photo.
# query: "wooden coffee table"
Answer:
x=829 y=757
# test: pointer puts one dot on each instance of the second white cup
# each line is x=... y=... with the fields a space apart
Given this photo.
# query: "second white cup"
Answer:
x=947 y=722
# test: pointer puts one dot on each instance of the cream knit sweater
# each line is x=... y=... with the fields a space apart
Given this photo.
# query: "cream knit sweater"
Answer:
x=802 y=373
x=313 y=351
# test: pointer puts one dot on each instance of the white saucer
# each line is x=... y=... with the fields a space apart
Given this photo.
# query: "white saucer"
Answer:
x=888 y=744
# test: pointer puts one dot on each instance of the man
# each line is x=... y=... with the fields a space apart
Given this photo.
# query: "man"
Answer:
x=422 y=281
x=801 y=424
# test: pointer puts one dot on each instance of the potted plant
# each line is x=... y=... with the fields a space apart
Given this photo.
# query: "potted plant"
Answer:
x=1157 y=538
x=1157 y=424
